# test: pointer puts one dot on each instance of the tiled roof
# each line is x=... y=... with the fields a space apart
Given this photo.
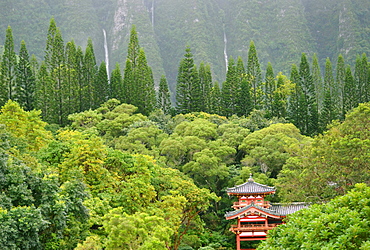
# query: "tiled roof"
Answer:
x=250 y=187
x=285 y=209
x=276 y=209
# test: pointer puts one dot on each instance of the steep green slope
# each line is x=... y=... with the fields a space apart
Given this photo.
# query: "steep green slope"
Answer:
x=128 y=13
x=339 y=27
x=80 y=20
x=29 y=21
x=77 y=19
x=197 y=24
x=214 y=29
x=278 y=29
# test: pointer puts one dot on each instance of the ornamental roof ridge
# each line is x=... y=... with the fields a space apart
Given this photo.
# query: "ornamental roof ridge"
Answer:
x=250 y=187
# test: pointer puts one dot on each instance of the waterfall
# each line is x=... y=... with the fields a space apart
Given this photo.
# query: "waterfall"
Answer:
x=225 y=49
x=153 y=13
x=106 y=53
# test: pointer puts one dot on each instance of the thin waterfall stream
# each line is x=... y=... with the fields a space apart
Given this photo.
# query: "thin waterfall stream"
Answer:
x=225 y=49
x=106 y=53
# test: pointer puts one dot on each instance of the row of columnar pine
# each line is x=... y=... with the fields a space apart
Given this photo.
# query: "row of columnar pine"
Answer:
x=69 y=80
x=306 y=99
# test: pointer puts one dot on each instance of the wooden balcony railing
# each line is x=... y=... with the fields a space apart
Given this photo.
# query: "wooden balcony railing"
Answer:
x=252 y=227
x=238 y=205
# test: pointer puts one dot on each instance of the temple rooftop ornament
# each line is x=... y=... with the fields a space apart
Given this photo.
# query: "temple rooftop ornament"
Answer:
x=250 y=188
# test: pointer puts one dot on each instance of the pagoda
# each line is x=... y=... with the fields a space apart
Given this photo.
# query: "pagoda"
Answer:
x=255 y=216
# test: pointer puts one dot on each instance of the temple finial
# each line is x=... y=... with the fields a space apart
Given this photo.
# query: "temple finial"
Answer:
x=250 y=178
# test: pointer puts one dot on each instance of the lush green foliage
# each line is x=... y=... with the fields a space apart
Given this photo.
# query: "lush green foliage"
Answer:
x=38 y=209
x=332 y=164
x=118 y=173
x=118 y=179
x=339 y=224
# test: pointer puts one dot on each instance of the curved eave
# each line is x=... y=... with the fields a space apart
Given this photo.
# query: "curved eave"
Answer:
x=252 y=209
x=250 y=188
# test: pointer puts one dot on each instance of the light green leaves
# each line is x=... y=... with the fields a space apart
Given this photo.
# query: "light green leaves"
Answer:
x=138 y=231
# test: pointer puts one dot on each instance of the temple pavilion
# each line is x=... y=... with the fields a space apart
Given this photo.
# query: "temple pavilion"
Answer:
x=254 y=215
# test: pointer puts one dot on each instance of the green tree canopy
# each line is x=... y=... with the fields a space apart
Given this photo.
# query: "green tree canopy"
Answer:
x=333 y=164
x=37 y=209
x=269 y=148
x=339 y=224
x=26 y=126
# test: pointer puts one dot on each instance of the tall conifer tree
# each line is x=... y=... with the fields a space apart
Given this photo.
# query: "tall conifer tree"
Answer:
x=100 y=87
x=244 y=102
x=60 y=89
x=34 y=64
x=230 y=90
x=338 y=91
x=164 y=101
x=310 y=115
x=80 y=79
x=254 y=75
x=361 y=78
x=25 y=81
x=215 y=106
x=90 y=71
x=279 y=100
x=365 y=78
x=54 y=61
x=143 y=88
x=8 y=68
x=133 y=46
x=317 y=81
x=49 y=58
x=296 y=109
x=349 y=102
x=138 y=82
x=185 y=81
x=71 y=79
x=44 y=89
x=270 y=87
x=130 y=67
x=197 y=103
x=128 y=80
x=328 y=112
x=116 y=84
x=205 y=80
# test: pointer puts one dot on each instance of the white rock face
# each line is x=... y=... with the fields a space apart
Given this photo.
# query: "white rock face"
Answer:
x=120 y=21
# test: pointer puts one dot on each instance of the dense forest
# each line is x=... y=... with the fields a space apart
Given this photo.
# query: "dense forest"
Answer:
x=92 y=158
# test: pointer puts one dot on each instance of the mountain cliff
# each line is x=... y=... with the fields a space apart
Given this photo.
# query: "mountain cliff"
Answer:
x=214 y=29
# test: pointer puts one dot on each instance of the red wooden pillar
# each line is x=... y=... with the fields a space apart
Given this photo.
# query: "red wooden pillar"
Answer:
x=237 y=241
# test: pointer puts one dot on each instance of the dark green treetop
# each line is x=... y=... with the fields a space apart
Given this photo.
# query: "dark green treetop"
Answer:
x=186 y=79
x=8 y=68
x=25 y=81
x=254 y=76
x=164 y=101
